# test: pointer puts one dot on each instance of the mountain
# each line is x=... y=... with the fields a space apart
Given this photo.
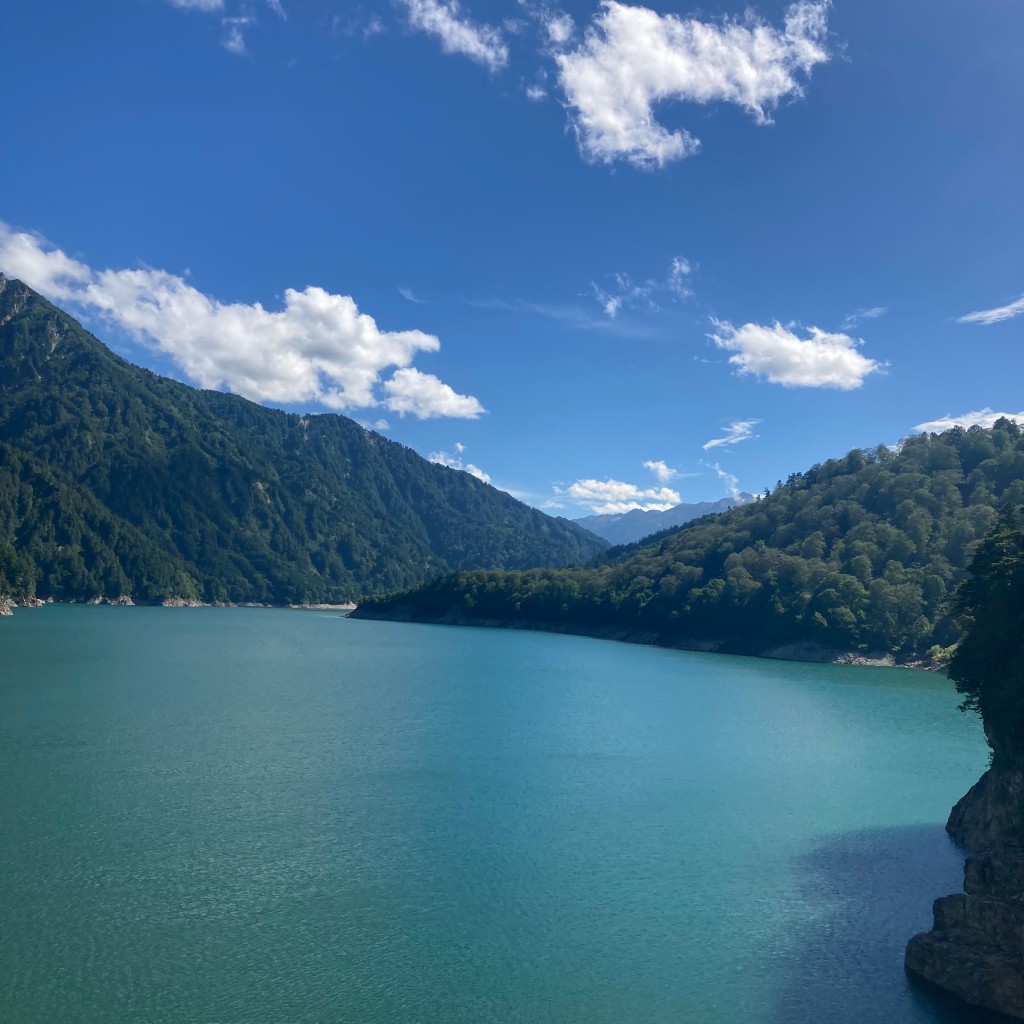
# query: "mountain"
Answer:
x=858 y=553
x=625 y=527
x=116 y=481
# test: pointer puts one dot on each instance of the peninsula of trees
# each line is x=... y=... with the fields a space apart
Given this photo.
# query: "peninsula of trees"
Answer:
x=856 y=554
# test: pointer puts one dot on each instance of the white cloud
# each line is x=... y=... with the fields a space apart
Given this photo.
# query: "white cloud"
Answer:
x=632 y=58
x=994 y=316
x=536 y=93
x=198 y=5
x=375 y=425
x=48 y=270
x=559 y=26
x=424 y=396
x=981 y=418
x=318 y=348
x=872 y=313
x=678 y=274
x=661 y=470
x=407 y=294
x=737 y=431
x=614 y=496
x=775 y=353
x=570 y=316
x=443 y=19
x=455 y=461
x=610 y=304
x=234 y=34
x=624 y=292
x=731 y=482
x=277 y=8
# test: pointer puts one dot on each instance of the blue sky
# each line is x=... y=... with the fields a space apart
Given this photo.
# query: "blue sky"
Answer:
x=567 y=245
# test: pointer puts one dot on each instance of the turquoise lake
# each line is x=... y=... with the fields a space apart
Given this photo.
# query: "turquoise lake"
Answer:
x=249 y=816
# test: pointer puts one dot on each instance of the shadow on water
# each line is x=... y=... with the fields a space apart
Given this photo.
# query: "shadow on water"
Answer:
x=879 y=886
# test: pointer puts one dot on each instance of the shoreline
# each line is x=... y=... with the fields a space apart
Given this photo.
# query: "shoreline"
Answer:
x=9 y=604
x=805 y=651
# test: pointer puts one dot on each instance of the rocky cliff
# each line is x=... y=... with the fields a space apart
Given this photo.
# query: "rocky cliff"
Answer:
x=976 y=948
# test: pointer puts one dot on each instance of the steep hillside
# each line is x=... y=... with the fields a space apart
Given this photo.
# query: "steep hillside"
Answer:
x=857 y=553
x=249 y=503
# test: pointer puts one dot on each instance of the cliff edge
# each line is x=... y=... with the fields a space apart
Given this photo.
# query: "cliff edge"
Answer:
x=976 y=947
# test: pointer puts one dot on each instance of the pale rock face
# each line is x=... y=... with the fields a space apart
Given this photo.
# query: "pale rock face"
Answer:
x=976 y=948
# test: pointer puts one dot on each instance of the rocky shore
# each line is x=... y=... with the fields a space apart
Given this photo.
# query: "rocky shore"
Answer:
x=8 y=604
x=976 y=947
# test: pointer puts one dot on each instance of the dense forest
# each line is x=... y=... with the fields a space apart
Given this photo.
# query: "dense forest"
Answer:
x=988 y=664
x=858 y=553
x=115 y=481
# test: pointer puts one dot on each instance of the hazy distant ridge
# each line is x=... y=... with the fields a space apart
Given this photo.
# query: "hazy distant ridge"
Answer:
x=626 y=527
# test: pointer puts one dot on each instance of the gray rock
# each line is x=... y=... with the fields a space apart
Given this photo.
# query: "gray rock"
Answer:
x=976 y=947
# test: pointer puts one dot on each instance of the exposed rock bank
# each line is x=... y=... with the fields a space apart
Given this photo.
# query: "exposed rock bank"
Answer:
x=976 y=948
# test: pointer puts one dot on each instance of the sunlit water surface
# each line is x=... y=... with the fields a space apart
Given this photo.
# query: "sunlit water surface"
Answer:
x=246 y=816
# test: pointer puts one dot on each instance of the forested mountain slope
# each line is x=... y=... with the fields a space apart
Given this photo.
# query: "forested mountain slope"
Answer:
x=120 y=481
x=857 y=553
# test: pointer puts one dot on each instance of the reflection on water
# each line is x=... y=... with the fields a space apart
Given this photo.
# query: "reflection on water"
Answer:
x=849 y=968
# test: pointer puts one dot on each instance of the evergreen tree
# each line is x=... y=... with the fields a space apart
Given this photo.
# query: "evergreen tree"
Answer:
x=988 y=664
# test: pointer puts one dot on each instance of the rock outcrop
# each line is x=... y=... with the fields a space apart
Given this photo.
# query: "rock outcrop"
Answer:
x=5 y=606
x=976 y=948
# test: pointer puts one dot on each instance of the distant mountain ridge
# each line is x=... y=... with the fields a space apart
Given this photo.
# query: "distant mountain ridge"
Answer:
x=626 y=527
x=116 y=481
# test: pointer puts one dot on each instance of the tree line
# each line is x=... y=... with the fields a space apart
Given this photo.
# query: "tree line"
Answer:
x=858 y=553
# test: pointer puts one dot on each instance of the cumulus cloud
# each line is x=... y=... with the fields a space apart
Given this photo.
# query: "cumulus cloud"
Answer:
x=425 y=396
x=443 y=19
x=454 y=460
x=661 y=470
x=605 y=497
x=735 y=432
x=994 y=316
x=318 y=348
x=632 y=58
x=778 y=355
x=872 y=313
x=981 y=418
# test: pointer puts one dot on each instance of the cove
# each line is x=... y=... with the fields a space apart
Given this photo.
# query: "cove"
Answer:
x=259 y=816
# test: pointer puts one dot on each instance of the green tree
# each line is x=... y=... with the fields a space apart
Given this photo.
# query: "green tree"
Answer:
x=988 y=665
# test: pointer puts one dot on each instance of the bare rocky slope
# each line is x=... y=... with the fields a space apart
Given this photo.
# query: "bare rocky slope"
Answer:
x=976 y=948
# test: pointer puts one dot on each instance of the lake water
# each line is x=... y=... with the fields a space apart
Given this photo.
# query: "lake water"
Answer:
x=246 y=816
